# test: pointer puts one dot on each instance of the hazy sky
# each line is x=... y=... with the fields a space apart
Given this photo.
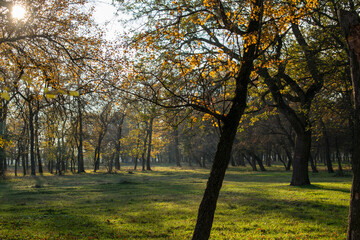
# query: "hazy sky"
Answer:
x=105 y=15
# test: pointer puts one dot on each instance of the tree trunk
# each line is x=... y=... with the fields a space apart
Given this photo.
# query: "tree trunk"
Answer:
x=300 y=174
x=72 y=160
x=258 y=160
x=251 y=162
x=218 y=169
x=118 y=143
x=299 y=120
x=327 y=148
x=227 y=136
x=137 y=152
x=176 y=141
x=338 y=157
x=313 y=164
x=268 y=156
x=81 y=168
x=144 y=151
x=241 y=161
x=32 y=139
x=350 y=23
x=117 y=156
x=290 y=158
x=51 y=166
x=58 y=158
x=135 y=162
x=64 y=154
x=232 y=161
x=17 y=162
x=38 y=156
x=280 y=158
x=95 y=159
x=111 y=162
x=203 y=161
x=150 y=130
x=3 y=112
x=23 y=159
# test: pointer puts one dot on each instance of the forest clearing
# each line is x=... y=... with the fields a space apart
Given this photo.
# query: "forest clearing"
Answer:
x=162 y=204
x=122 y=123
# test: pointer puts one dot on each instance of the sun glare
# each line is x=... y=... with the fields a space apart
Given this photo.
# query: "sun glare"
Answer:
x=18 y=12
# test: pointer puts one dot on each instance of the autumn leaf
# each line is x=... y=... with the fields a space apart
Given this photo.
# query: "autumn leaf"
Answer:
x=74 y=93
x=5 y=95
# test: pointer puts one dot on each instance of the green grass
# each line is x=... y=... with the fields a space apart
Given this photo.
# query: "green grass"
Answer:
x=162 y=204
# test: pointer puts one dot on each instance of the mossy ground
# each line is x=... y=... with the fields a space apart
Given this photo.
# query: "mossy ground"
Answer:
x=163 y=203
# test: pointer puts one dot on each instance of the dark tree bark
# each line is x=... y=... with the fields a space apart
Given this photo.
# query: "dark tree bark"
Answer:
x=17 y=161
x=232 y=161
x=288 y=148
x=23 y=161
x=144 y=152
x=81 y=168
x=72 y=160
x=327 y=148
x=313 y=164
x=203 y=161
x=118 y=143
x=3 y=114
x=222 y=157
x=37 y=148
x=150 y=131
x=300 y=121
x=241 y=160
x=281 y=158
x=97 y=158
x=176 y=143
x=137 y=152
x=229 y=127
x=290 y=159
x=59 y=156
x=51 y=166
x=98 y=148
x=338 y=158
x=103 y=124
x=300 y=174
x=257 y=160
x=251 y=162
x=350 y=23
x=268 y=158
x=32 y=137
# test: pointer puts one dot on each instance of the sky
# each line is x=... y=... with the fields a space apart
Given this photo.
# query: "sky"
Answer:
x=105 y=16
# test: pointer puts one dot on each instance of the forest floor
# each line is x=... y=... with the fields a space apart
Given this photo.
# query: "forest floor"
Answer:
x=163 y=204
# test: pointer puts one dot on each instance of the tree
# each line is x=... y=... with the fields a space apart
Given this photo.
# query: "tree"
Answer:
x=118 y=122
x=294 y=98
x=42 y=52
x=350 y=23
x=100 y=128
x=201 y=54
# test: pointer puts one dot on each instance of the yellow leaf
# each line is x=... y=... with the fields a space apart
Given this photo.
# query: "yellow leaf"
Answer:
x=74 y=93
x=5 y=95
x=50 y=95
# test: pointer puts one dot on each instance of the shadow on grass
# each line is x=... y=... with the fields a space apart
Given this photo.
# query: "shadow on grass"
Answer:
x=92 y=206
x=55 y=223
x=327 y=188
x=262 y=205
x=152 y=204
x=238 y=174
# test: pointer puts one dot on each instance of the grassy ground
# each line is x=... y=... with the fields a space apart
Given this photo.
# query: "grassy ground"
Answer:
x=163 y=204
